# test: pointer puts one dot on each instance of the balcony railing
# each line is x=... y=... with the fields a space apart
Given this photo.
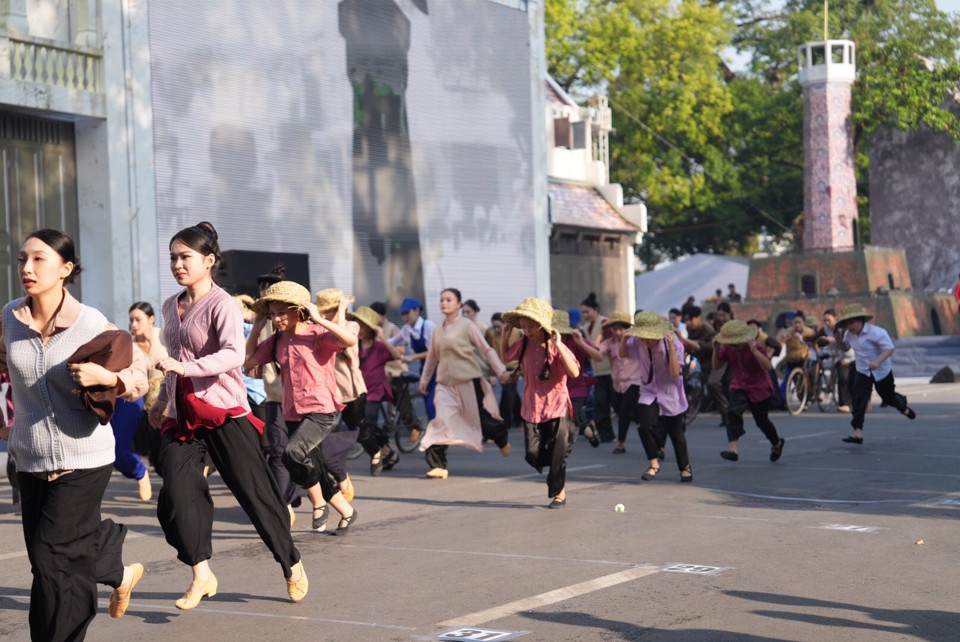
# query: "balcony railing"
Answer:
x=49 y=62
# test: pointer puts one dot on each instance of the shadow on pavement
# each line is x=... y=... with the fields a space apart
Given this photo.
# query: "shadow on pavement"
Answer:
x=924 y=625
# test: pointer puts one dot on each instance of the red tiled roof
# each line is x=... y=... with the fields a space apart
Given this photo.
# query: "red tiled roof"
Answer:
x=553 y=96
x=583 y=206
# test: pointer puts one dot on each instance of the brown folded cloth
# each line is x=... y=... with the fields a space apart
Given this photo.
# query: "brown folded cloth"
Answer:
x=113 y=350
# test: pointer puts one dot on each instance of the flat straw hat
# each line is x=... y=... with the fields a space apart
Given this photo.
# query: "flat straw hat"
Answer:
x=737 y=332
x=245 y=301
x=288 y=292
x=329 y=299
x=851 y=312
x=365 y=315
x=561 y=322
x=650 y=325
x=536 y=310
x=619 y=318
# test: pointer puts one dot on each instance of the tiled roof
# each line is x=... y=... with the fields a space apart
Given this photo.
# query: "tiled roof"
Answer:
x=553 y=96
x=583 y=206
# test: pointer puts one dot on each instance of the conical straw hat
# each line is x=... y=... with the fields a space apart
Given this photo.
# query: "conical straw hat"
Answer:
x=736 y=332
x=853 y=311
x=561 y=322
x=650 y=325
x=329 y=299
x=288 y=292
x=365 y=315
x=534 y=309
x=619 y=318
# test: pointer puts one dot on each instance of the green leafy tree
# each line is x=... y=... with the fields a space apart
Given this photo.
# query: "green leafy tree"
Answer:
x=718 y=156
x=907 y=65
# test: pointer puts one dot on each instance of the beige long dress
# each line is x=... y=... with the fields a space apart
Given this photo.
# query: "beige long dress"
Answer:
x=452 y=354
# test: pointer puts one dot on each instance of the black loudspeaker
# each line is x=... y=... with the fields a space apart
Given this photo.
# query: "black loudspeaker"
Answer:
x=946 y=375
x=238 y=271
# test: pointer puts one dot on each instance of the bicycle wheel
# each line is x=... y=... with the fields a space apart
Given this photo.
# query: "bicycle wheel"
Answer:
x=826 y=389
x=408 y=436
x=693 y=388
x=796 y=391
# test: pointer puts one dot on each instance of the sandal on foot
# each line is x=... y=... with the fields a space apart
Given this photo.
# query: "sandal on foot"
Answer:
x=619 y=450
x=689 y=474
x=391 y=460
x=557 y=503
x=320 y=523
x=650 y=474
x=591 y=436
x=853 y=440
x=908 y=413
x=346 y=523
x=729 y=455
x=777 y=450
x=377 y=468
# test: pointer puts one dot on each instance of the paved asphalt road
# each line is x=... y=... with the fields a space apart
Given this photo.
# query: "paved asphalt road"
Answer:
x=824 y=545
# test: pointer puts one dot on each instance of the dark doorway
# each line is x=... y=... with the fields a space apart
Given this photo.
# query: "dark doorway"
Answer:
x=39 y=190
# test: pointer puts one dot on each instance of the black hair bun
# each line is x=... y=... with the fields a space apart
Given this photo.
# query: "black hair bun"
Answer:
x=208 y=229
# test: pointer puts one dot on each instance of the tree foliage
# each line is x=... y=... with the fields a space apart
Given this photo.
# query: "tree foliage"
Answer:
x=718 y=155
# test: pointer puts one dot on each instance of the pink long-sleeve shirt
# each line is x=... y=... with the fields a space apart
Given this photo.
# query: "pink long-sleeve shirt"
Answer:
x=209 y=342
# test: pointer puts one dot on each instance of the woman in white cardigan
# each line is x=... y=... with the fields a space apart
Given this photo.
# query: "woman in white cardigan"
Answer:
x=64 y=455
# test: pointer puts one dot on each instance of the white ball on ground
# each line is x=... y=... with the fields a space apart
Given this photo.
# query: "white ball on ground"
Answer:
x=618 y=508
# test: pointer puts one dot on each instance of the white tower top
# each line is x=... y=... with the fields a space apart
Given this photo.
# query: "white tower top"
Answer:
x=827 y=61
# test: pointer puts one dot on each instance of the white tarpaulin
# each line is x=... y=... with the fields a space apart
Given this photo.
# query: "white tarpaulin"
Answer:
x=699 y=275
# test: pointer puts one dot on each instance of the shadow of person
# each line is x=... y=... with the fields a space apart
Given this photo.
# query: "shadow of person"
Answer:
x=920 y=624
x=602 y=628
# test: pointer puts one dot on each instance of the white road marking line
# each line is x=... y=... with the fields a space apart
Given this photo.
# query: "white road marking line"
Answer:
x=206 y=609
x=130 y=535
x=550 y=597
x=817 y=500
x=545 y=558
x=809 y=436
x=529 y=475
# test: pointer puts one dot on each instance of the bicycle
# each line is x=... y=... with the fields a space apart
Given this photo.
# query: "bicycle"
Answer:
x=798 y=389
x=694 y=388
x=826 y=387
x=406 y=435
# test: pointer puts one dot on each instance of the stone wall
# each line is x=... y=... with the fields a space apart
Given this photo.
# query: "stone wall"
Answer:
x=915 y=202
x=854 y=272
x=902 y=314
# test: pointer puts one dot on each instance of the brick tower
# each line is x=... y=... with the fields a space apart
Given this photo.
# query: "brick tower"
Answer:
x=827 y=69
x=834 y=268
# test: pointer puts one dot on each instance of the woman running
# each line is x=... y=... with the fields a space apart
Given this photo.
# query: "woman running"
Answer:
x=579 y=387
x=64 y=454
x=149 y=339
x=208 y=415
x=304 y=347
x=548 y=430
x=658 y=352
x=374 y=355
x=593 y=325
x=127 y=414
x=466 y=407
x=624 y=374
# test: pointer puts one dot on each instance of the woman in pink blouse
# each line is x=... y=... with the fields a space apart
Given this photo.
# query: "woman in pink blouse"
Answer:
x=208 y=415
x=548 y=429
x=374 y=354
x=662 y=401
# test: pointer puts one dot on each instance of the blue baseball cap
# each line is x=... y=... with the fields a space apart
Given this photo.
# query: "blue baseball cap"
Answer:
x=410 y=304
